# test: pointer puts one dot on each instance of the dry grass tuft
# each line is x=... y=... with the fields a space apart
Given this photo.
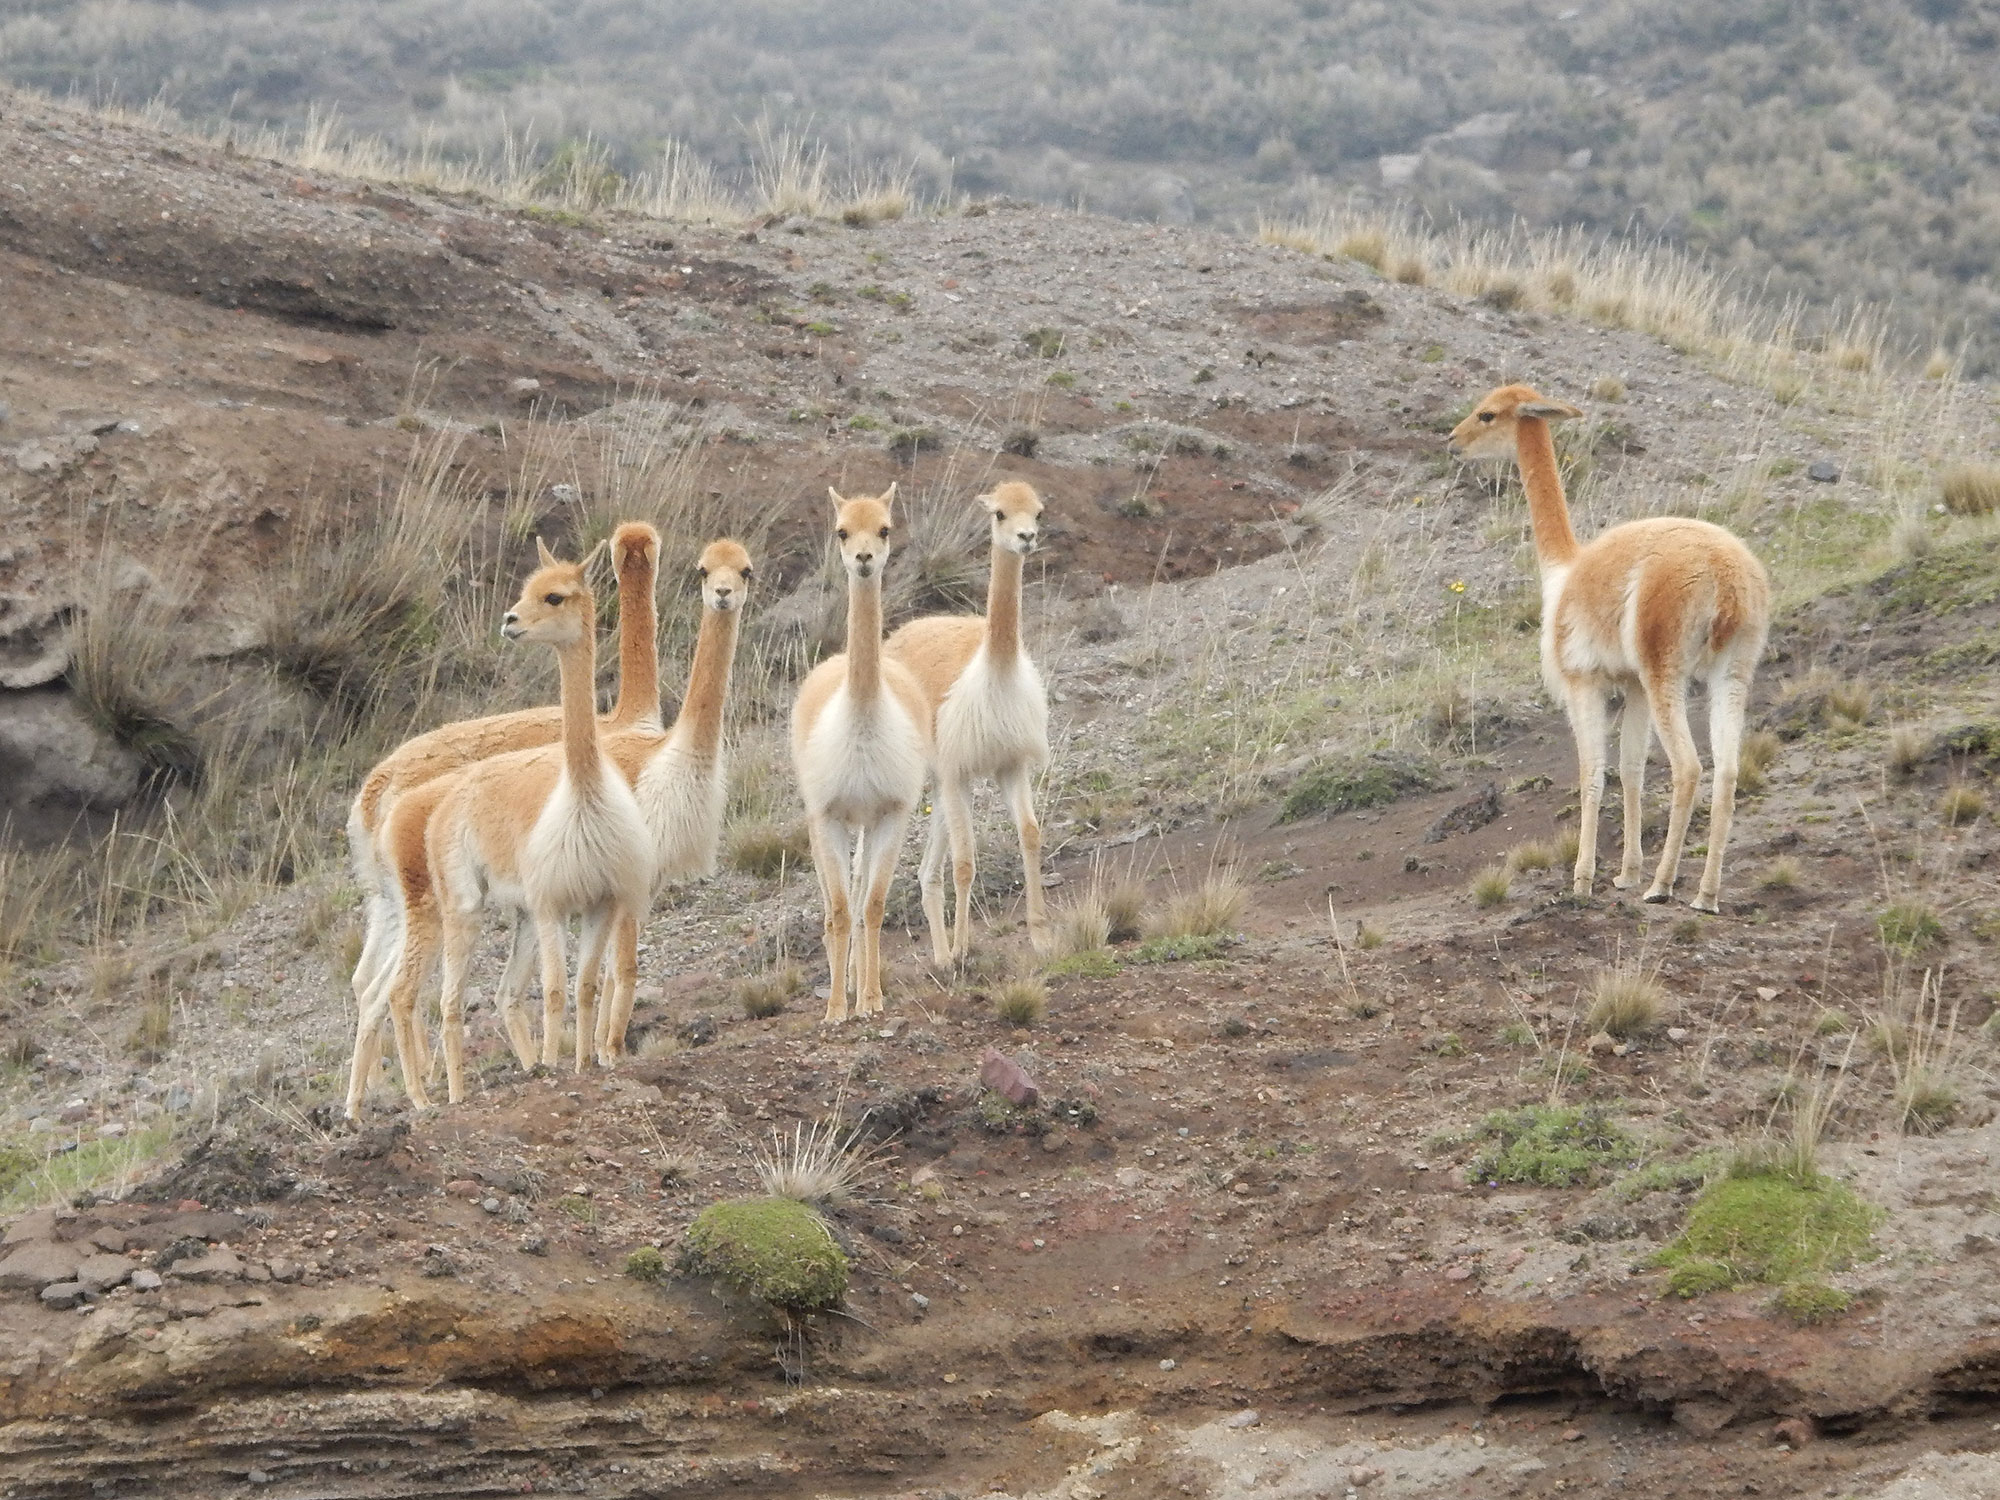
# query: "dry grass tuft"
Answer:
x=1760 y=752
x=1080 y=926
x=1021 y=1002
x=768 y=851
x=1567 y=848
x=1212 y=909
x=1961 y=802
x=1490 y=885
x=1849 y=704
x=1908 y=748
x=1125 y=907
x=822 y=1164
x=1626 y=1001
x=1780 y=875
x=1970 y=489
x=1535 y=854
x=1608 y=388
x=766 y=994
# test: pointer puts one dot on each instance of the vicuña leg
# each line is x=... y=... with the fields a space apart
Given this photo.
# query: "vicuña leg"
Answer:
x=1587 y=723
x=419 y=955
x=1728 y=700
x=1635 y=738
x=830 y=859
x=1018 y=788
x=954 y=800
x=1671 y=719
x=930 y=880
x=459 y=932
x=598 y=925
x=555 y=989
x=616 y=1017
x=513 y=987
x=876 y=867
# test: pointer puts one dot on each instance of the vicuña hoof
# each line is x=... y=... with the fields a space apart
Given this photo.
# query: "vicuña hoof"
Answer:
x=1657 y=895
x=1624 y=882
x=1708 y=904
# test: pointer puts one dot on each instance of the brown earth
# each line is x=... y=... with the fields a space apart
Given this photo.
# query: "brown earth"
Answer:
x=1247 y=1188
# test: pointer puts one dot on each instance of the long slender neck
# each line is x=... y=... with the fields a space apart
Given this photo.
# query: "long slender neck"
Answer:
x=699 y=727
x=1548 y=512
x=638 y=649
x=579 y=714
x=1003 y=607
x=864 y=638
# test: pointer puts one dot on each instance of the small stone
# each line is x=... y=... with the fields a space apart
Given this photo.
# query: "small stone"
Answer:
x=281 y=1270
x=146 y=1279
x=525 y=385
x=1603 y=1041
x=491 y=1205
x=1166 y=1364
x=534 y=1244
x=1459 y=1273
x=1248 y=1418
x=1239 y=1188
x=1007 y=1078
x=921 y=1301
x=1677 y=1033
x=1129 y=1177
x=951 y=1380
x=62 y=1295
x=37 y=1264
x=1765 y=992
x=1797 y=1431
x=1572 y=1435
x=464 y=1187
x=1824 y=471
x=258 y=1476
x=109 y=1239
x=216 y=1265
x=41 y=1125
x=1361 y=1476
x=1703 y=1418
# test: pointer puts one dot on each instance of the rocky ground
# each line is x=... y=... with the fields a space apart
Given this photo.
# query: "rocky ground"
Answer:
x=1239 y=1245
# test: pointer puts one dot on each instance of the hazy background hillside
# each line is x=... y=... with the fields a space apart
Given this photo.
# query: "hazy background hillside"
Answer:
x=1823 y=149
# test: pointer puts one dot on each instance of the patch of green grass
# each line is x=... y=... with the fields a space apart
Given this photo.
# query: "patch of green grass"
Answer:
x=1098 y=963
x=1345 y=783
x=646 y=1264
x=1550 y=1145
x=1808 y=1303
x=1909 y=925
x=1767 y=1227
x=1965 y=576
x=576 y=1208
x=1044 y=343
x=1671 y=1175
x=1181 y=948
x=775 y=1249
x=34 y=1180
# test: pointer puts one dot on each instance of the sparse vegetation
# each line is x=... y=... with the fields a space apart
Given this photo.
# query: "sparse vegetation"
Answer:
x=1909 y=924
x=822 y=1164
x=1908 y=748
x=1535 y=854
x=1809 y=1303
x=1765 y=1227
x=766 y=994
x=1213 y=909
x=1550 y=1145
x=1961 y=802
x=1183 y=948
x=1970 y=489
x=1781 y=874
x=646 y=1264
x=768 y=850
x=777 y=1250
x=1081 y=925
x=1760 y=752
x=1490 y=886
x=1343 y=784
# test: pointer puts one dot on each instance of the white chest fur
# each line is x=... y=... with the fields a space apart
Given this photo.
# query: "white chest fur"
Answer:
x=682 y=797
x=995 y=718
x=585 y=851
x=861 y=762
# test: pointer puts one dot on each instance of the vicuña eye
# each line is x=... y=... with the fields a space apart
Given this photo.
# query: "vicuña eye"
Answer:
x=842 y=533
x=885 y=533
x=1486 y=416
x=552 y=600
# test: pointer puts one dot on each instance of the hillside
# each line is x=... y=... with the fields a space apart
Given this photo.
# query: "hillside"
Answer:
x=1348 y=1185
x=1832 y=153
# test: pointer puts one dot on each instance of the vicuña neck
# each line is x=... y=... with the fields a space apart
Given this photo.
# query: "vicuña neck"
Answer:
x=579 y=714
x=1003 y=607
x=864 y=637
x=638 y=649
x=699 y=727
x=1548 y=512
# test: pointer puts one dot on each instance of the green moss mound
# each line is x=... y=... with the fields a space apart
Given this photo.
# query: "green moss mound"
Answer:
x=1811 y=1302
x=1344 y=782
x=1769 y=1227
x=1185 y=948
x=1550 y=1145
x=776 y=1249
x=1952 y=578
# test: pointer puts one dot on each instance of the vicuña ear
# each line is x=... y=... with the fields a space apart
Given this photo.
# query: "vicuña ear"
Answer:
x=1548 y=411
x=835 y=496
x=889 y=497
x=542 y=551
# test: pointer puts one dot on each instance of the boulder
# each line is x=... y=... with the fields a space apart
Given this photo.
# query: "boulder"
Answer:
x=100 y=1273
x=62 y=1295
x=216 y=1265
x=36 y=1264
x=1007 y=1078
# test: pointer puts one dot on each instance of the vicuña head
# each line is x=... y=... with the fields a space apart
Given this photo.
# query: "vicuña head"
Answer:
x=1016 y=510
x=725 y=575
x=555 y=606
x=1491 y=431
x=862 y=526
x=635 y=549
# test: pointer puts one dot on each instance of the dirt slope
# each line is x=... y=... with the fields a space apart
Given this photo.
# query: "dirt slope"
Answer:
x=1248 y=1186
